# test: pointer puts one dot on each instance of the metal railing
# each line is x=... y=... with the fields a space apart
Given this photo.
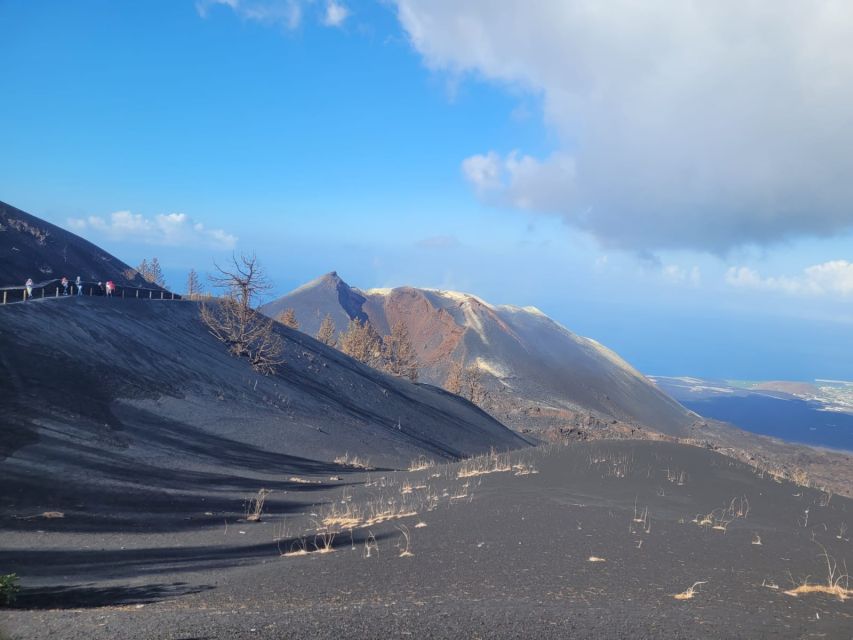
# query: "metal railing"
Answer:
x=54 y=289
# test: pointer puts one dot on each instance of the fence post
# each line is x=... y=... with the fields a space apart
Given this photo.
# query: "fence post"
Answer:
x=122 y=294
x=161 y=295
x=4 y=297
x=57 y=292
x=91 y=289
x=42 y=292
x=137 y=293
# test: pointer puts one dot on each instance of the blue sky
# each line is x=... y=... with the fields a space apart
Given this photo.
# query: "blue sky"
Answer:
x=524 y=156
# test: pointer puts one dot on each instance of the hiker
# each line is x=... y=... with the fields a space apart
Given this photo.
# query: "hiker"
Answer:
x=79 y=284
x=29 y=287
x=64 y=283
x=110 y=288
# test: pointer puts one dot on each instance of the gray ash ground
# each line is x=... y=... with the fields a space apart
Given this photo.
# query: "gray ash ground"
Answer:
x=497 y=555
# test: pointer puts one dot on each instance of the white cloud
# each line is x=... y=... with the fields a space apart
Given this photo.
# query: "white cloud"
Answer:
x=679 y=125
x=286 y=13
x=680 y=275
x=522 y=181
x=173 y=229
x=830 y=278
x=336 y=14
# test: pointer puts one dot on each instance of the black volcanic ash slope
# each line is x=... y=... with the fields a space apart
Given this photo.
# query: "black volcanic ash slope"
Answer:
x=597 y=543
x=33 y=248
x=138 y=393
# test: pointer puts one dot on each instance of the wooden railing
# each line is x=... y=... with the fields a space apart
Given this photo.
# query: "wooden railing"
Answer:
x=54 y=289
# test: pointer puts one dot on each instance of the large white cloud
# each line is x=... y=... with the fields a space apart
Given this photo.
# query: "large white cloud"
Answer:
x=830 y=278
x=173 y=229
x=702 y=125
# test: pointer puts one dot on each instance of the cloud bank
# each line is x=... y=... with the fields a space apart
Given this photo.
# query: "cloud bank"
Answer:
x=680 y=125
x=173 y=229
x=830 y=278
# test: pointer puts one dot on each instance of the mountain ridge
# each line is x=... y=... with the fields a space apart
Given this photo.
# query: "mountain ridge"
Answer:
x=531 y=362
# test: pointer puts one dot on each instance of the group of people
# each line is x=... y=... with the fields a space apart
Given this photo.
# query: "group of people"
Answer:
x=106 y=288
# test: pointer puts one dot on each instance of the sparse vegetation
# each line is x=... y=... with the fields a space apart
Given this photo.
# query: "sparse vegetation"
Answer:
x=8 y=589
x=494 y=462
x=720 y=519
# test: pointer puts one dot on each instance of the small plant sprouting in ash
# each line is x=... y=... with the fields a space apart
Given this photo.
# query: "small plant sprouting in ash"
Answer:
x=837 y=580
x=8 y=589
x=406 y=542
x=688 y=593
x=255 y=505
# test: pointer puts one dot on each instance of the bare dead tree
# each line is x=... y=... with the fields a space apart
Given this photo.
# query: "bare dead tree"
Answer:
x=472 y=385
x=362 y=342
x=243 y=280
x=152 y=272
x=193 y=283
x=326 y=332
x=288 y=319
x=232 y=320
x=453 y=382
x=399 y=354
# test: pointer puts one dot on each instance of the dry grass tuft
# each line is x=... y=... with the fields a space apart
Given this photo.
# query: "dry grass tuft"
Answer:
x=255 y=505
x=837 y=580
x=354 y=462
x=421 y=463
x=494 y=462
x=406 y=542
x=689 y=592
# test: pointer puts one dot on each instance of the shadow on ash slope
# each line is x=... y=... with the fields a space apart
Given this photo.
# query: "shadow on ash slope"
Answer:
x=604 y=539
x=124 y=413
